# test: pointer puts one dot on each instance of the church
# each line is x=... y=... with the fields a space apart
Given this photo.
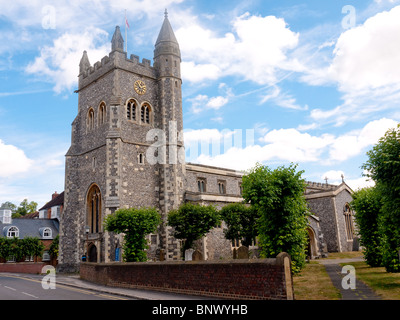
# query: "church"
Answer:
x=127 y=150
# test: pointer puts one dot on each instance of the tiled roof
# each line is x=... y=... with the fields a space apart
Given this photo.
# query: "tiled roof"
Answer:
x=33 y=215
x=57 y=201
x=30 y=227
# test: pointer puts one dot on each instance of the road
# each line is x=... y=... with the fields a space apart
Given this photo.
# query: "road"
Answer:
x=14 y=287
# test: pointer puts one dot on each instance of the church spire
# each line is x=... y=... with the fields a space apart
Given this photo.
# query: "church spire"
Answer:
x=166 y=41
x=84 y=64
x=117 y=42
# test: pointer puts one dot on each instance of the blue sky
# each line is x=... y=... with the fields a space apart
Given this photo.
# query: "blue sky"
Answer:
x=316 y=82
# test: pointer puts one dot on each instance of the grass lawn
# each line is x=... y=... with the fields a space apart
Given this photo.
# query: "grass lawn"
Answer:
x=313 y=283
x=385 y=284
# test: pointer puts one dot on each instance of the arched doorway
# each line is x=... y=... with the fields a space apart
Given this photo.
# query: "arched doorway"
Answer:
x=94 y=205
x=92 y=253
x=311 y=250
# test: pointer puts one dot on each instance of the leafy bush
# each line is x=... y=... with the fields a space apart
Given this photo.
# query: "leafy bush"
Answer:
x=278 y=197
x=135 y=224
x=241 y=222
x=191 y=222
x=383 y=166
x=20 y=248
x=367 y=205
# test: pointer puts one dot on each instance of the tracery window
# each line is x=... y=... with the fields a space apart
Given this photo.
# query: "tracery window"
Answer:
x=94 y=209
x=145 y=114
x=131 y=110
x=201 y=185
x=348 y=218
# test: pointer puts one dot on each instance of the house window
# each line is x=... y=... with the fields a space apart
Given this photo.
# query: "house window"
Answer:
x=348 y=218
x=47 y=233
x=240 y=188
x=13 y=232
x=145 y=114
x=131 y=110
x=222 y=187
x=46 y=256
x=201 y=185
x=102 y=113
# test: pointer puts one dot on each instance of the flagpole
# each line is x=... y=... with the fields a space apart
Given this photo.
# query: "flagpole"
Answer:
x=126 y=36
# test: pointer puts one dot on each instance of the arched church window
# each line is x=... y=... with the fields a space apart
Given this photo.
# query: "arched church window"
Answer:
x=145 y=114
x=131 y=110
x=94 y=209
x=348 y=218
x=90 y=119
x=102 y=113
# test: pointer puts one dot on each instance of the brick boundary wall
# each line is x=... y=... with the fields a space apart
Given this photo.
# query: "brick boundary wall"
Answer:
x=23 y=267
x=267 y=279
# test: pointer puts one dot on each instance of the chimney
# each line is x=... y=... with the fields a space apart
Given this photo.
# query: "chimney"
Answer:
x=54 y=195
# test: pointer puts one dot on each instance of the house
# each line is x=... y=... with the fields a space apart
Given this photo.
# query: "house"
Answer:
x=45 y=229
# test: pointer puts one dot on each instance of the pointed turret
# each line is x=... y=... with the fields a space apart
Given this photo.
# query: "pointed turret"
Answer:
x=117 y=42
x=166 y=42
x=84 y=64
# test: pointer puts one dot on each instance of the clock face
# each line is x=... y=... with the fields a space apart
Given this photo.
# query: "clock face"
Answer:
x=140 y=87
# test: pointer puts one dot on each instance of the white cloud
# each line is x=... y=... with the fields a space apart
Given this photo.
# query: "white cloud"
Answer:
x=365 y=65
x=281 y=99
x=353 y=143
x=288 y=145
x=203 y=102
x=235 y=53
x=59 y=63
x=13 y=160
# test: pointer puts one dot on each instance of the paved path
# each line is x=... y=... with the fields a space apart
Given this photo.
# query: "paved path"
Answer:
x=334 y=270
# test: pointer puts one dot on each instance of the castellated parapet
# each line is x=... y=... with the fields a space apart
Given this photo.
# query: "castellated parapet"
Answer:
x=117 y=60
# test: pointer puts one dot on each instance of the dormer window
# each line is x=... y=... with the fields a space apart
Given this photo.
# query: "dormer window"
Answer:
x=13 y=232
x=46 y=233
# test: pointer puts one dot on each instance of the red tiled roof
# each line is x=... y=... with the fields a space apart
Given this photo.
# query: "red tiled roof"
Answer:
x=57 y=201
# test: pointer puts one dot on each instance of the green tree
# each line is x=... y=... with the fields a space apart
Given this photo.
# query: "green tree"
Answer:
x=278 y=197
x=135 y=224
x=241 y=222
x=31 y=246
x=383 y=166
x=10 y=205
x=5 y=248
x=53 y=249
x=367 y=205
x=25 y=208
x=191 y=222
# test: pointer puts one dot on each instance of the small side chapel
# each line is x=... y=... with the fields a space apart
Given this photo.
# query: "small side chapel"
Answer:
x=121 y=100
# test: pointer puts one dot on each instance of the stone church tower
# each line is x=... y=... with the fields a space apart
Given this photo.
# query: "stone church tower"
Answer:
x=126 y=149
